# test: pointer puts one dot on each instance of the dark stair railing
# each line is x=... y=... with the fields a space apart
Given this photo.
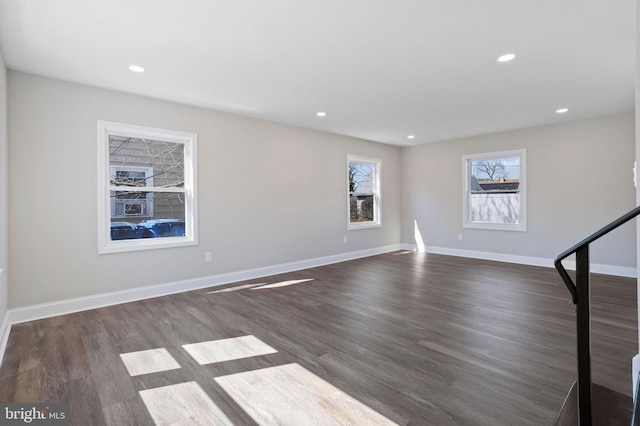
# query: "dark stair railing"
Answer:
x=580 y=298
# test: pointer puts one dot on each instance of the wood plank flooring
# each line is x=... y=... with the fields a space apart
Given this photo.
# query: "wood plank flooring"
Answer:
x=416 y=339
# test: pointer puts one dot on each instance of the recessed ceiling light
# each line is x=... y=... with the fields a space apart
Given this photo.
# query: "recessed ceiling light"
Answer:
x=411 y=137
x=562 y=110
x=136 y=68
x=506 y=58
x=321 y=114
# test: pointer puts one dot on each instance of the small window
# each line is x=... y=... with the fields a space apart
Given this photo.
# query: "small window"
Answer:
x=146 y=180
x=495 y=191
x=129 y=203
x=363 y=181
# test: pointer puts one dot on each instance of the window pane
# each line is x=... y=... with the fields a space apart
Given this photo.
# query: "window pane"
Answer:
x=138 y=215
x=165 y=160
x=361 y=178
x=496 y=170
x=362 y=181
x=494 y=195
x=495 y=208
x=361 y=208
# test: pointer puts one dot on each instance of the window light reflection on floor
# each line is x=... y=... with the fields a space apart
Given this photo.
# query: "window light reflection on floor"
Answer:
x=286 y=394
x=282 y=284
x=292 y=395
x=260 y=286
x=149 y=361
x=227 y=349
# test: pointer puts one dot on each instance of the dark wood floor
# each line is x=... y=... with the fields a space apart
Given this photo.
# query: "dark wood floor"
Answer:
x=421 y=339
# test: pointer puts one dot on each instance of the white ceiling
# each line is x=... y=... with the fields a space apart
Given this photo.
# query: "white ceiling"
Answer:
x=381 y=69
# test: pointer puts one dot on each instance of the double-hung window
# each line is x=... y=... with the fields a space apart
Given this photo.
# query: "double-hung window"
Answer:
x=146 y=188
x=494 y=193
x=363 y=195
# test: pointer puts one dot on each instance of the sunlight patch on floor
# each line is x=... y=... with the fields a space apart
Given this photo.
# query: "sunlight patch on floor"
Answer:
x=182 y=404
x=292 y=395
x=230 y=289
x=228 y=349
x=282 y=395
x=402 y=252
x=259 y=286
x=282 y=284
x=149 y=361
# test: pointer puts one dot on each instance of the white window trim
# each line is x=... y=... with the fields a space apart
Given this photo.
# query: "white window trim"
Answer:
x=377 y=195
x=105 y=244
x=466 y=178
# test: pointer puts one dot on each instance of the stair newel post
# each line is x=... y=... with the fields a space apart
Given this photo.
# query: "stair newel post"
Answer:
x=583 y=319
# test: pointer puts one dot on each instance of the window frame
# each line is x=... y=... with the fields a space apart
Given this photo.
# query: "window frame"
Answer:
x=189 y=140
x=377 y=195
x=466 y=191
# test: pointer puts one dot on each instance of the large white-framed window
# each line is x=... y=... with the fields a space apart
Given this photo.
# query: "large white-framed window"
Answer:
x=494 y=190
x=147 y=197
x=363 y=193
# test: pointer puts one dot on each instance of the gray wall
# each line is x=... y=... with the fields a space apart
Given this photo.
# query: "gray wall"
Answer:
x=268 y=193
x=579 y=179
x=272 y=194
x=4 y=291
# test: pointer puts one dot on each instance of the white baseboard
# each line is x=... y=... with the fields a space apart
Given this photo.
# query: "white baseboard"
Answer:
x=45 y=310
x=635 y=369
x=62 y=307
x=621 y=271
x=5 y=328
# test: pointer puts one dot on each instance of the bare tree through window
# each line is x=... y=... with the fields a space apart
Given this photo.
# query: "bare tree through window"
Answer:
x=494 y=187
x=147 y=183
x=491 y=168
x=363 y=191
x=142 y=173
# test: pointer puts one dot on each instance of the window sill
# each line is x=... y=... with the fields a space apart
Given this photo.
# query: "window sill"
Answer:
x=496 y=226
x=356 y=226
x=124 y=246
